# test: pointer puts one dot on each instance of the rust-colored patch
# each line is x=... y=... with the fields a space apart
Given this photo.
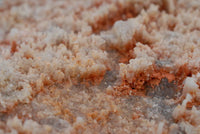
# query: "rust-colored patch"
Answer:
x=182 y=73
x=123 y=13
x=93 y=78
x=152 y=77
x=13 y=47
x=126 y=56
x=193 y=102
x=124 y=90
x=136 y=115
x=100 y=116
x=158 y=75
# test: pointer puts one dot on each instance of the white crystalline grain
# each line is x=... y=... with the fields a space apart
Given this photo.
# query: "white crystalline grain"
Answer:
x=190 y=86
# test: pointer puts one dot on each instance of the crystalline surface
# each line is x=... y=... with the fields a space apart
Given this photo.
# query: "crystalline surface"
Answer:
x=100 y=66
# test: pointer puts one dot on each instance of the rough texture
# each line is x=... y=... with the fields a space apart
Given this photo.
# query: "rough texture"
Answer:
x=109 y=66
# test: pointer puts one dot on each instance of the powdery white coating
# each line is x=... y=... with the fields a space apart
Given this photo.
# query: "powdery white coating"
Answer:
x=189 y=117
x=134 y=67
x=16 y=125
x=124 y=34
x=182 y=113
x=145 y=58
x=52 y=62
x=160 y=128
x=190 y=86
x=180 y=109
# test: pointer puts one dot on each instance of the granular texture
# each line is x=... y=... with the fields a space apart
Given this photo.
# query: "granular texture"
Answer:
x=100 y=66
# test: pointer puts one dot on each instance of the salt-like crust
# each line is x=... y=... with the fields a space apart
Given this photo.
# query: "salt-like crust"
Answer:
x=85 y=66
